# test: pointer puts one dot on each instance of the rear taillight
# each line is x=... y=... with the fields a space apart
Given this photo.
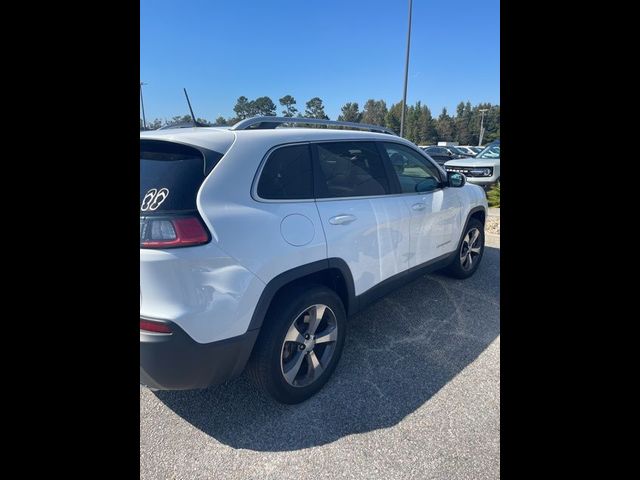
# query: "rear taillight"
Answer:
x=154 y=327
x=169 y=232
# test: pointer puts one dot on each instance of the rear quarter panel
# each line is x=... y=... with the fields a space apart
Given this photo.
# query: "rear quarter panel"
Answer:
x=249 y=230
x=202 y=289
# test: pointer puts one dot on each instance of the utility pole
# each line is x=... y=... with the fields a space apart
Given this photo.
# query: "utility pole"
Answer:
x=482 y=110
x=144 y=120
x=406 y=72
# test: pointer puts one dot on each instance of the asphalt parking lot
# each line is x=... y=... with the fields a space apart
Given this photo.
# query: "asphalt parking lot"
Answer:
x=416 y=395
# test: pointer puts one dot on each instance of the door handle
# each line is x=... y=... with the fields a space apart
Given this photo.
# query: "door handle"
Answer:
x=418 y=206
x=342 y=219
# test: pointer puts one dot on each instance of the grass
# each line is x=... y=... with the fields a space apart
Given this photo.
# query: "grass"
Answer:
x=493 y=196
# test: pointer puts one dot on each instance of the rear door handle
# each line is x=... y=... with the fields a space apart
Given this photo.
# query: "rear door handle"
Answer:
x=418 y=206
x=342 y=219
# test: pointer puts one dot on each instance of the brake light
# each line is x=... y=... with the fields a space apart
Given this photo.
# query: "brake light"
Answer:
x=155 y=327
x=169 y=232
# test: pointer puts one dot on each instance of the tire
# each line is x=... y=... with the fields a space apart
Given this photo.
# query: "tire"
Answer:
x=460 y=266
x=274 y=355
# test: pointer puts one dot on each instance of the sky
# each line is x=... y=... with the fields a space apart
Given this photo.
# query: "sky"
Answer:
x=341 y=51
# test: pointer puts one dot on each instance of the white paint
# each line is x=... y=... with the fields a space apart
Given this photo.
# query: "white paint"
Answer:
x=211 y=291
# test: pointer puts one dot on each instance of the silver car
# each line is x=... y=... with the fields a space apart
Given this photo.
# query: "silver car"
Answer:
x=483 y=169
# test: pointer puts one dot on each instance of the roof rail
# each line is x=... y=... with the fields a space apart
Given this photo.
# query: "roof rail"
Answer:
x=179 y=125
x=273 y=122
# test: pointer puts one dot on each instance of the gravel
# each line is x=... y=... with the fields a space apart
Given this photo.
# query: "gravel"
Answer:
x=416 y=395
x=492 y=225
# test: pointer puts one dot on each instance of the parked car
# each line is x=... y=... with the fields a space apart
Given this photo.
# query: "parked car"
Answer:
x=444 y=154
x=483 y=170
x=257 y=243
x=467 y=150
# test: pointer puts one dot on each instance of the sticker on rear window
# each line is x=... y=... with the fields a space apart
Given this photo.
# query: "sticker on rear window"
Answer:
x=153 y=199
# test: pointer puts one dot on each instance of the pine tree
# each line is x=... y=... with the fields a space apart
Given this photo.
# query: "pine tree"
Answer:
x=243 y=108
x=375 y=112
x=392 y=118
x=445 y=127
x=288 y=103
x=350 y=113
x=315 y=109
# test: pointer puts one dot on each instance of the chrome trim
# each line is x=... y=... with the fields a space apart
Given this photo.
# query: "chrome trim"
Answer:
x=372 y=197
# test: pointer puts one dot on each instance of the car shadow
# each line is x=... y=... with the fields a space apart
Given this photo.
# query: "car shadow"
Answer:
x=399 y=352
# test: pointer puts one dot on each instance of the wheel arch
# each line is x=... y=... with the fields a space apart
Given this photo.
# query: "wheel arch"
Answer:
x=333 y=273
x=479 y=213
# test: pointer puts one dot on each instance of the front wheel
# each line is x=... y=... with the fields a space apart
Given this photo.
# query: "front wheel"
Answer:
x=300 y=343
x=469 y=253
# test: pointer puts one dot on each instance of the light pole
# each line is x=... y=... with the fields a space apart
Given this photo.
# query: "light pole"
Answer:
x=406 y=71
x=144 y=120
x=482 y=110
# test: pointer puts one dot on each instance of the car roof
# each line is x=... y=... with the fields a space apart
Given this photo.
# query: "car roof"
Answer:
x=220 y=138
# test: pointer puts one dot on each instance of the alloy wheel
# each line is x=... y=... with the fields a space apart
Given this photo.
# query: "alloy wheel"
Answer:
x=470 y=250
x=309 y=345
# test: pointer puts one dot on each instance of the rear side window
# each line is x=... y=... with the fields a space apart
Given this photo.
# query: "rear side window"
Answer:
x=170 y=176
x=287 y=174
x=351 y=169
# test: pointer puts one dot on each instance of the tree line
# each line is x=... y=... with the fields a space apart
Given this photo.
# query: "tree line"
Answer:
x=420 y=126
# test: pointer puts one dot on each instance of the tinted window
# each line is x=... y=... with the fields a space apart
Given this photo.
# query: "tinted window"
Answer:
x=435 y=151
x=170 y=176
x=351 y=169
x=287 y=174
x=414 y=172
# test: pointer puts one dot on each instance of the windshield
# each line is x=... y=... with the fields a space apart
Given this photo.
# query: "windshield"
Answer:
x=492 y=151
x=456 y=150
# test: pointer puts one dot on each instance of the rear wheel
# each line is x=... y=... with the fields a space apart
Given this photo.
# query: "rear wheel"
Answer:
x=300 y=343
x=470 y=250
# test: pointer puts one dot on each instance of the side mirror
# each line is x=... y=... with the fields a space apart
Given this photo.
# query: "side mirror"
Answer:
x=456 y=180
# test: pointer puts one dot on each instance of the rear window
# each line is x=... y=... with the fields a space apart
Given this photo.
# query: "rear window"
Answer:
x=287 y=174
x=170 y=176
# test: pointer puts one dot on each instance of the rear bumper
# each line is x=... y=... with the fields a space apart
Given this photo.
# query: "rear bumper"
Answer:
x=177 y=362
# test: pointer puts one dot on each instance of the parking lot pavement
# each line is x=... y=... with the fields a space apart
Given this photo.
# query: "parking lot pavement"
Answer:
x=415 y=395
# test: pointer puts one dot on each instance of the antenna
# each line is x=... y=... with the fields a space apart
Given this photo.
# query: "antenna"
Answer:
x=193 y=117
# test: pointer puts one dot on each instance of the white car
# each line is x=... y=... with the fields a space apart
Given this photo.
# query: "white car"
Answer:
x=257 y=243
x=483 y=169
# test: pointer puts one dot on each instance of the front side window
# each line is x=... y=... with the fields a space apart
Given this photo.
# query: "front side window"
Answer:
x=414 y=172
x=350 y=169
x=287 y=174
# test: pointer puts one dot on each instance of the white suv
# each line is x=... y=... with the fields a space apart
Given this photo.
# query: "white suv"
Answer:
x=257 y=243
x=483 y=169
